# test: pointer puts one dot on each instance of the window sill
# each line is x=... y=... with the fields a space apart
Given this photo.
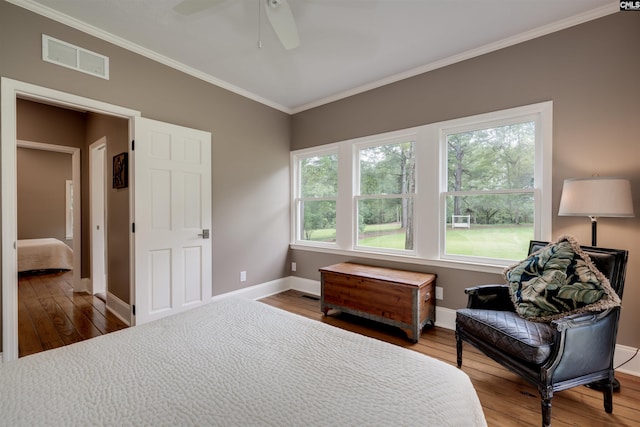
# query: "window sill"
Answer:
x=457 y=265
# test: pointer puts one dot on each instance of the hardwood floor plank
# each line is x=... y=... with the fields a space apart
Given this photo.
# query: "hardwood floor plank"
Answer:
x=507 y=399
x=51 y=314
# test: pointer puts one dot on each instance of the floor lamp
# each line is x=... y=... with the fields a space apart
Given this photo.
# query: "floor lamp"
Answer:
x=596 y=197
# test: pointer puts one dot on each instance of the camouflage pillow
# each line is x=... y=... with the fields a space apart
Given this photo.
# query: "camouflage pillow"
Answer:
x=558 y=280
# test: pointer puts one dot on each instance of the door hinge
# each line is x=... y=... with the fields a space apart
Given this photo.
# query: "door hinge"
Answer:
x=133 y=145
x=133 y=227
x=133 y=308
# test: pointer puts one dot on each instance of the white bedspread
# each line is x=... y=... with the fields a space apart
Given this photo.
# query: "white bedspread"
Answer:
x=44 y=254
x=235 y=363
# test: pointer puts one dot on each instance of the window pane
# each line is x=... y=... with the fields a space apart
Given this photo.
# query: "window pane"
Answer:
x=491 y=159
x=318 y=220
x=386 y=223
x=490 y=226
x=319 y=176
x=387 y=169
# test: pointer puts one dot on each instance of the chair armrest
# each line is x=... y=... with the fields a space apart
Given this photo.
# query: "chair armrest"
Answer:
x=489 y=297
x=579 y=320
x=592 y=334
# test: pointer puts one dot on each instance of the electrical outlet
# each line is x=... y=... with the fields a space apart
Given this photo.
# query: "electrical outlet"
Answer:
x=293 y=266
x=243 y=276
x=439 y=293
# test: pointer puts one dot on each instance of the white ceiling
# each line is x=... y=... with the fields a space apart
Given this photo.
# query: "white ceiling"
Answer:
x=347 y=46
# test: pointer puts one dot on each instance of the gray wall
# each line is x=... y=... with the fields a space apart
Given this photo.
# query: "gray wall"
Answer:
x=250 y=141
x=589 y=71
x=42 y=177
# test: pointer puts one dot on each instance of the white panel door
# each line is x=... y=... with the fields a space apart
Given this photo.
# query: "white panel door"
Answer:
x=172 y=210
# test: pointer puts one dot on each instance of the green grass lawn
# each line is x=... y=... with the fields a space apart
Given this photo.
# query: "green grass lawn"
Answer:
x=503 y=242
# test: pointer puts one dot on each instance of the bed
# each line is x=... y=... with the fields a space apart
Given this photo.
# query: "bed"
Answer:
x=44 y=254
x=235 y=362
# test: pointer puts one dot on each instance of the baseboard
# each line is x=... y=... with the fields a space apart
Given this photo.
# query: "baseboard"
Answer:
x=624 y=354
x=446 y=318
x=259 y=291
x=119 y=308
x=86 y=285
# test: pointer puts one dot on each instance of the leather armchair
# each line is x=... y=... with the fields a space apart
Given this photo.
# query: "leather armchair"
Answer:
x=571 y=351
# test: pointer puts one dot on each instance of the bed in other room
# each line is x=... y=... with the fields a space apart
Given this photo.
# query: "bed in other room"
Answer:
x=44 y=254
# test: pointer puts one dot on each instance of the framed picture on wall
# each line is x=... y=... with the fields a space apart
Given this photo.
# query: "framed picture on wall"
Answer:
x=121 y=170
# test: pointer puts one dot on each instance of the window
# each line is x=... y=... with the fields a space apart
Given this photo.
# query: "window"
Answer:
x=68 y=185
x=489 y=198
x=385 y=200
x=316 y=200
x=469 y=191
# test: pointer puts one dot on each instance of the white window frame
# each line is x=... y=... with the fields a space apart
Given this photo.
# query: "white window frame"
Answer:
x=395 y=139
x=431 y=179
x=296 y=214
x=541 y=115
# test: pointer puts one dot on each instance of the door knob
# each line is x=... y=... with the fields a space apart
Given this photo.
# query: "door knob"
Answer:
x=204 y=234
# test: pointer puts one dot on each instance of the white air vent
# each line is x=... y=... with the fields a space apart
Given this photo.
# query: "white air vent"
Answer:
x=74 y=57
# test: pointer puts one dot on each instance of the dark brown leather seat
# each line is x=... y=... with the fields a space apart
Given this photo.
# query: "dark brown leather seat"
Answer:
x=571 y=351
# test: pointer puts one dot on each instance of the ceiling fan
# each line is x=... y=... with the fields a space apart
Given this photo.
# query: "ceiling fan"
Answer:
x=278 y=13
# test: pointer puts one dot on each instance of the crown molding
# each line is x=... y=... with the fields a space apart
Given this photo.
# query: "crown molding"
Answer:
x=47 y=12
x=605 y=10
x=148 y=53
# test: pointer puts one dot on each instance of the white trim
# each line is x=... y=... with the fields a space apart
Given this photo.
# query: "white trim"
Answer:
x=147 y=53
x=624 y=353
x=307 y=286
x=119 y=308
x=47 y=12
x=10 y=90
x=259 y=291
x=599 y=12
x=431 y=184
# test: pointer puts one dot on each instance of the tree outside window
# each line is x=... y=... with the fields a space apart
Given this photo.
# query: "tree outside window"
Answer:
x=317 y=199
x=490 y=181
x=386 y=198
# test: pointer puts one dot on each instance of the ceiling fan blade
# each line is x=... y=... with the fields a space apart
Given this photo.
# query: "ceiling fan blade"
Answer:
x=283 y=23
x=190 y=7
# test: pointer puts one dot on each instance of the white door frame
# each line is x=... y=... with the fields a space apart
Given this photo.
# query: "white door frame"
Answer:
x=97 y=182
x=10 y=91
x=75 y=178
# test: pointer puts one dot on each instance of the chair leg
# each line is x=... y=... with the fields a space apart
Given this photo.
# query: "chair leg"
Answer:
x=459 y=349
x=607 y=391
x=546 y=394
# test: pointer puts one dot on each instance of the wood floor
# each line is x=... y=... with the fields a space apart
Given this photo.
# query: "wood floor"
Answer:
x=51 y=315
x=506 y=399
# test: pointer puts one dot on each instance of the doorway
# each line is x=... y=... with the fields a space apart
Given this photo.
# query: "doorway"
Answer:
x=10 y=91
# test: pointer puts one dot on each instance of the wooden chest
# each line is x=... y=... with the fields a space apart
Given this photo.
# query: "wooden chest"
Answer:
x=405 y=299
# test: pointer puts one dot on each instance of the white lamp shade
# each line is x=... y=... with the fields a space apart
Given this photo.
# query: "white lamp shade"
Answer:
x=596 y=197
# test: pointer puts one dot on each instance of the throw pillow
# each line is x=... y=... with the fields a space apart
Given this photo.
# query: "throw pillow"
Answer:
x=557 y=281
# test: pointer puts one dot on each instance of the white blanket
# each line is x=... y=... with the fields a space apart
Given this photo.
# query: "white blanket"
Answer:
x=44 y=254
x=235 y=363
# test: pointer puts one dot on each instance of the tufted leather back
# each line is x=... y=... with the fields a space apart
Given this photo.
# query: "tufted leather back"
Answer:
x=611 y=262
